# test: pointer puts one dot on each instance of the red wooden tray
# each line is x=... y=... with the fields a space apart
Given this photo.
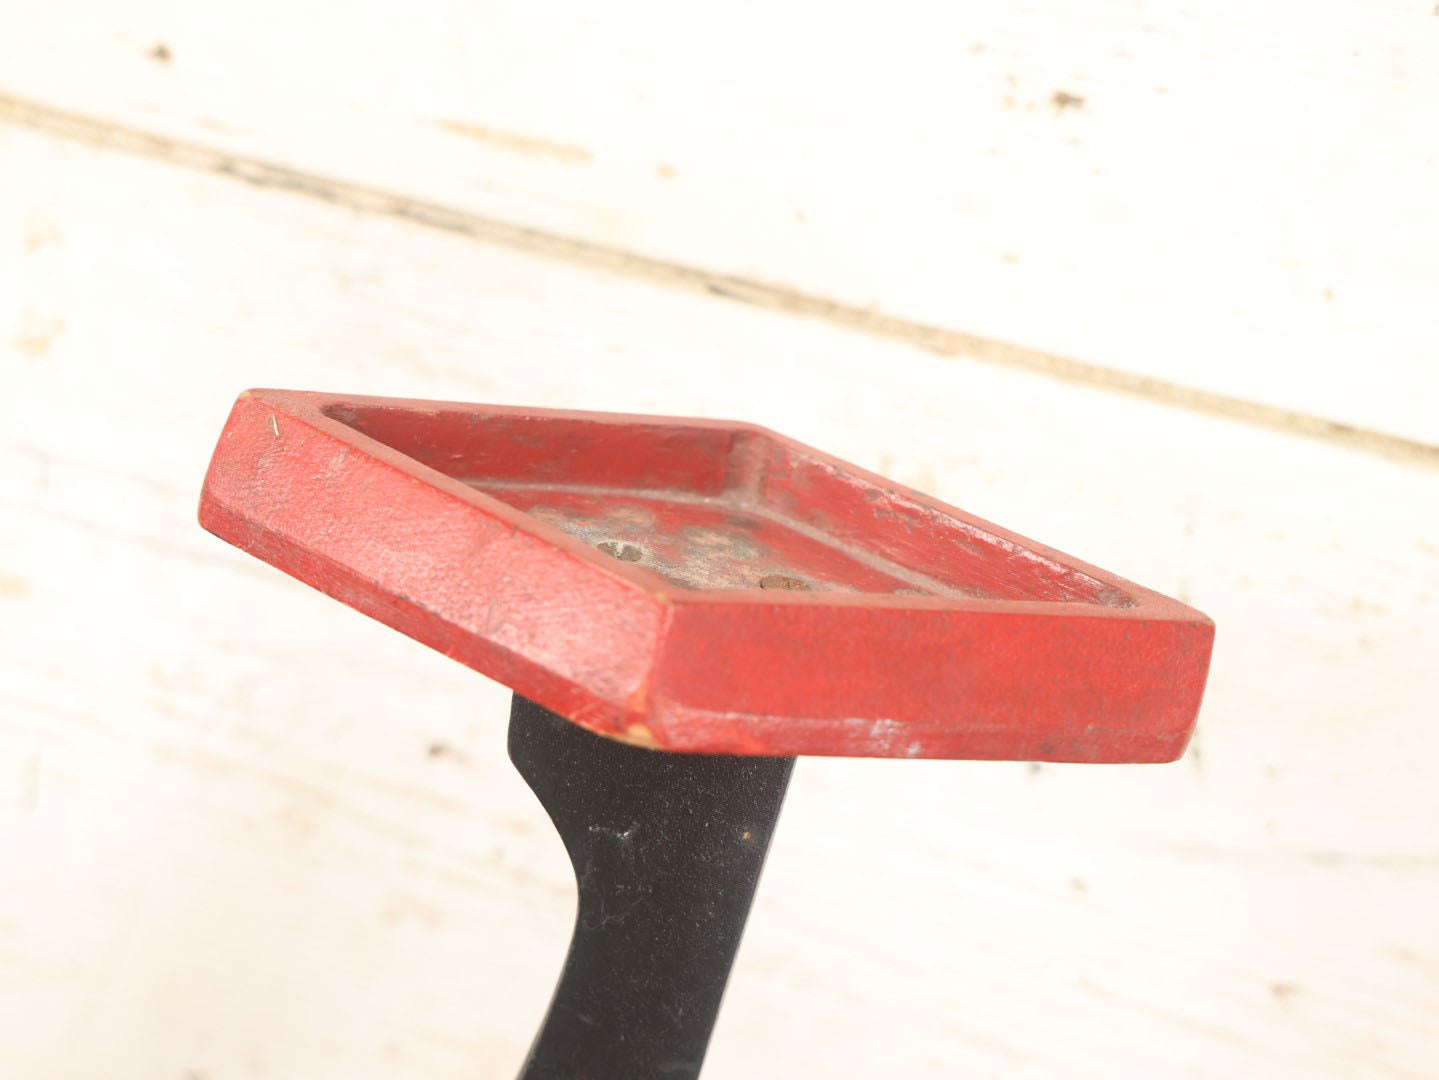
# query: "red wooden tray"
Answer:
x=703 y=585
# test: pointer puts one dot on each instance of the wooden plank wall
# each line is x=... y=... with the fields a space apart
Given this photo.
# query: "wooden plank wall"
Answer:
x=1151 y=282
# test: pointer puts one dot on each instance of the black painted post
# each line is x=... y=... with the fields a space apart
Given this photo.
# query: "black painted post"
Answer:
x=667 y=850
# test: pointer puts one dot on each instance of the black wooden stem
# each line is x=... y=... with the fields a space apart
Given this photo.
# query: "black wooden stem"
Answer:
x=667 y=850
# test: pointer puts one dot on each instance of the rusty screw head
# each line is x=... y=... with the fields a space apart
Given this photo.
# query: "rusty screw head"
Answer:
x=621 y=551
x=783 y=581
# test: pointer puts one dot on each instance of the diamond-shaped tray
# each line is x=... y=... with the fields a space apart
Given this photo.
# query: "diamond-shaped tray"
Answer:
x=703 y=585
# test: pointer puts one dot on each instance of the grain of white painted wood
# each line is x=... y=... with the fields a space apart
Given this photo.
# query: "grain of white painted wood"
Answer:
x=249 y=833
x=1235 y=196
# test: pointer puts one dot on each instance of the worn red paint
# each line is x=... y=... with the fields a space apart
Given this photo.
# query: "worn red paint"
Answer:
x=610 y=568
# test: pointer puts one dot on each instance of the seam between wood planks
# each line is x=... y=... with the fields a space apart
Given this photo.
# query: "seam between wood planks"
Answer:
x=257 y=172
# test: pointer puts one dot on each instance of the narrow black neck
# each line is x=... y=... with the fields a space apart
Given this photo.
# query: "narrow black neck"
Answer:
x=667 y=850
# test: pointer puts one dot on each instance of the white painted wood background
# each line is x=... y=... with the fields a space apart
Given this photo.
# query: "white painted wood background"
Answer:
x=246 y=833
